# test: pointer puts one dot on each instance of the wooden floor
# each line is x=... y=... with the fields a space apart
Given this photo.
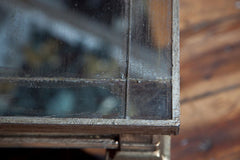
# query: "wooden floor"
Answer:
x=210 y=81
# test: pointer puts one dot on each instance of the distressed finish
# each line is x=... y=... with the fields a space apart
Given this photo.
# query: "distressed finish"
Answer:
x=66 y=126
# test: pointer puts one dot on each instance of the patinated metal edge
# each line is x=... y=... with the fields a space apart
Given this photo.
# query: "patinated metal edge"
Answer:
x=79 y=125
x=56 y=142
x=175 y=64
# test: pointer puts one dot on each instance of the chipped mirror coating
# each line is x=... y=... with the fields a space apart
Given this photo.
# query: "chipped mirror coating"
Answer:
x=86 y=59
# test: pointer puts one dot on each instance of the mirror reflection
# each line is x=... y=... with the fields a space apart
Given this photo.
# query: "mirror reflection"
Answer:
x=71 y=58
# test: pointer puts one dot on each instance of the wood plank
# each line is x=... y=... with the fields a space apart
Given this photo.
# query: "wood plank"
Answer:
x=210 y=120
x=203 y=11
x=213 y=36
x=210 y=86
x=211 y=109
x=210 y=71
x=210 y=98
x=219 y=141
x=209 y=65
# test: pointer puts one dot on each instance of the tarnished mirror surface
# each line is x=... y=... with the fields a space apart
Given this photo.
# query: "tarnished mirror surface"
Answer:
x=87 y=59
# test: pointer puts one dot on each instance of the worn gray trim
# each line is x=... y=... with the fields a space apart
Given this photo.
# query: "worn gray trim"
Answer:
x=56 y=142
x=175 y=63
x=87 y=126
x=86 y=121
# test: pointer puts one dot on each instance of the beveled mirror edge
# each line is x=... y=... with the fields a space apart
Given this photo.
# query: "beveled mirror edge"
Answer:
x=113 y=126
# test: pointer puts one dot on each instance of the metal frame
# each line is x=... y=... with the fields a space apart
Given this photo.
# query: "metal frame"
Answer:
x=67 y=126
x=142 y=147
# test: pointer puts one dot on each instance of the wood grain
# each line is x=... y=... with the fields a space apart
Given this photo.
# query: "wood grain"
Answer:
x=210 y=86
x=216 y=63
x=214 y=35
x=205 y=11
x=219 y=141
